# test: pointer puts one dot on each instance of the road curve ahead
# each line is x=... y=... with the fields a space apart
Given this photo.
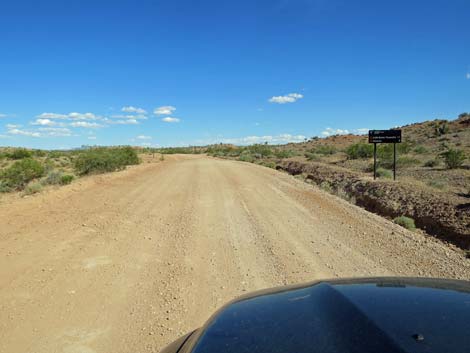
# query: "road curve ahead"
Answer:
x=126 y=262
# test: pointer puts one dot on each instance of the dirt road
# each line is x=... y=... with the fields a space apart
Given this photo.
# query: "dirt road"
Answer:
x=126 y=262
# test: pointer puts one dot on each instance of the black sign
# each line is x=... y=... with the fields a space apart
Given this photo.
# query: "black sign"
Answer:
x=384 y=136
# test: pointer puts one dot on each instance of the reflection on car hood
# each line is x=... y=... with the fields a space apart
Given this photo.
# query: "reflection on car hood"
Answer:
x=370 y=315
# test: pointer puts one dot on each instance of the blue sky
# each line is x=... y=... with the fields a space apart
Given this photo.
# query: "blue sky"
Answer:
x=195 y=72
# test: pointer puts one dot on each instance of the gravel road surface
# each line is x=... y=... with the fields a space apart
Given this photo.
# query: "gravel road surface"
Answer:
x=129 y=261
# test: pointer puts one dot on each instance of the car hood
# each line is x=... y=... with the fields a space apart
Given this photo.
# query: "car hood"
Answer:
x=367 y=315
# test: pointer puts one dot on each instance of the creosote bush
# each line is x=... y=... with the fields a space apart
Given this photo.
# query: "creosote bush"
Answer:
x=66 y=179
x=33 y=188
x=19 y=153
x=405 y=222
x=360 y=151
x=453 y=158
x=384 y=173
x=102 y=160
x=21 y=173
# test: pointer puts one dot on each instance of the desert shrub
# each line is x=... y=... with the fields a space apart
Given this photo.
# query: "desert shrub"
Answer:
x=384 y=173
x=360 y=151
x=405 y=222
x=406 y=161
x=324 y=150
x=39 y=153
x=21 y=173
x=261 y=150
x=19 y=153
x=53 y=177
x=441 y=128
x=431 y=163
x=269 y=164
x=284 y=153
x=311 y=156
x=420 y=149
x=162 y=157
x=246 y=157
x=326 y=186
x=463 y=115
x=385 y=150
x=66 y=179
x=4 y=188
x=177 y=150
x=453 y=158
x=437 y=184
x=102 y=160
x=33 y=188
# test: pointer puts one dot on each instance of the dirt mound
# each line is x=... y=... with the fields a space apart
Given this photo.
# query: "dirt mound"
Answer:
x=439 y=215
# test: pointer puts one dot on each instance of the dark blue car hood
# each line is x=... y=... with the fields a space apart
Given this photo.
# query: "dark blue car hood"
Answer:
x=342 y=316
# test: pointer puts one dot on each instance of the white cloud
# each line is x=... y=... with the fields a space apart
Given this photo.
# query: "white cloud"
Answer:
x=131 y=109
x=146 y=144
x=468 y=75
x=137 y=116
x=288 y=98
x=80 y=116
x=164 y=110
x=125 y=122
x=329 y=132
x=85 y=124
x=24 y=132
x=44 y=122
x=144 y=137
x=91 y=137
x=169 y=119
x=12 y=126
x=51 y=116
x=3 y=115
x=361 y=131
x=272 y=139
x=69 y=116
x=56 y=131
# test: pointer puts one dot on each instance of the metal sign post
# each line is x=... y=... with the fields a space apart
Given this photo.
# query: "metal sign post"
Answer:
x=375 y=160
x=385 y=136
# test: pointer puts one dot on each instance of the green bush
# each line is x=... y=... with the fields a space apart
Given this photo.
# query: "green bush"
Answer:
x=360 y=151
x=269 y=164
x=384 y=173
x=102 y=160
x=21 y=173
x=39 y=153
x=324 y=150
x=453 y=158
x=441 y=128
x=326 y=186
x=33 y=188
x=311 y=156
x=245 y=157
x=4 y=187
x=19 y=153
x=420 y=149
x=405 y=222
x=66 y=179
x=53 y=177
x=262 y=150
